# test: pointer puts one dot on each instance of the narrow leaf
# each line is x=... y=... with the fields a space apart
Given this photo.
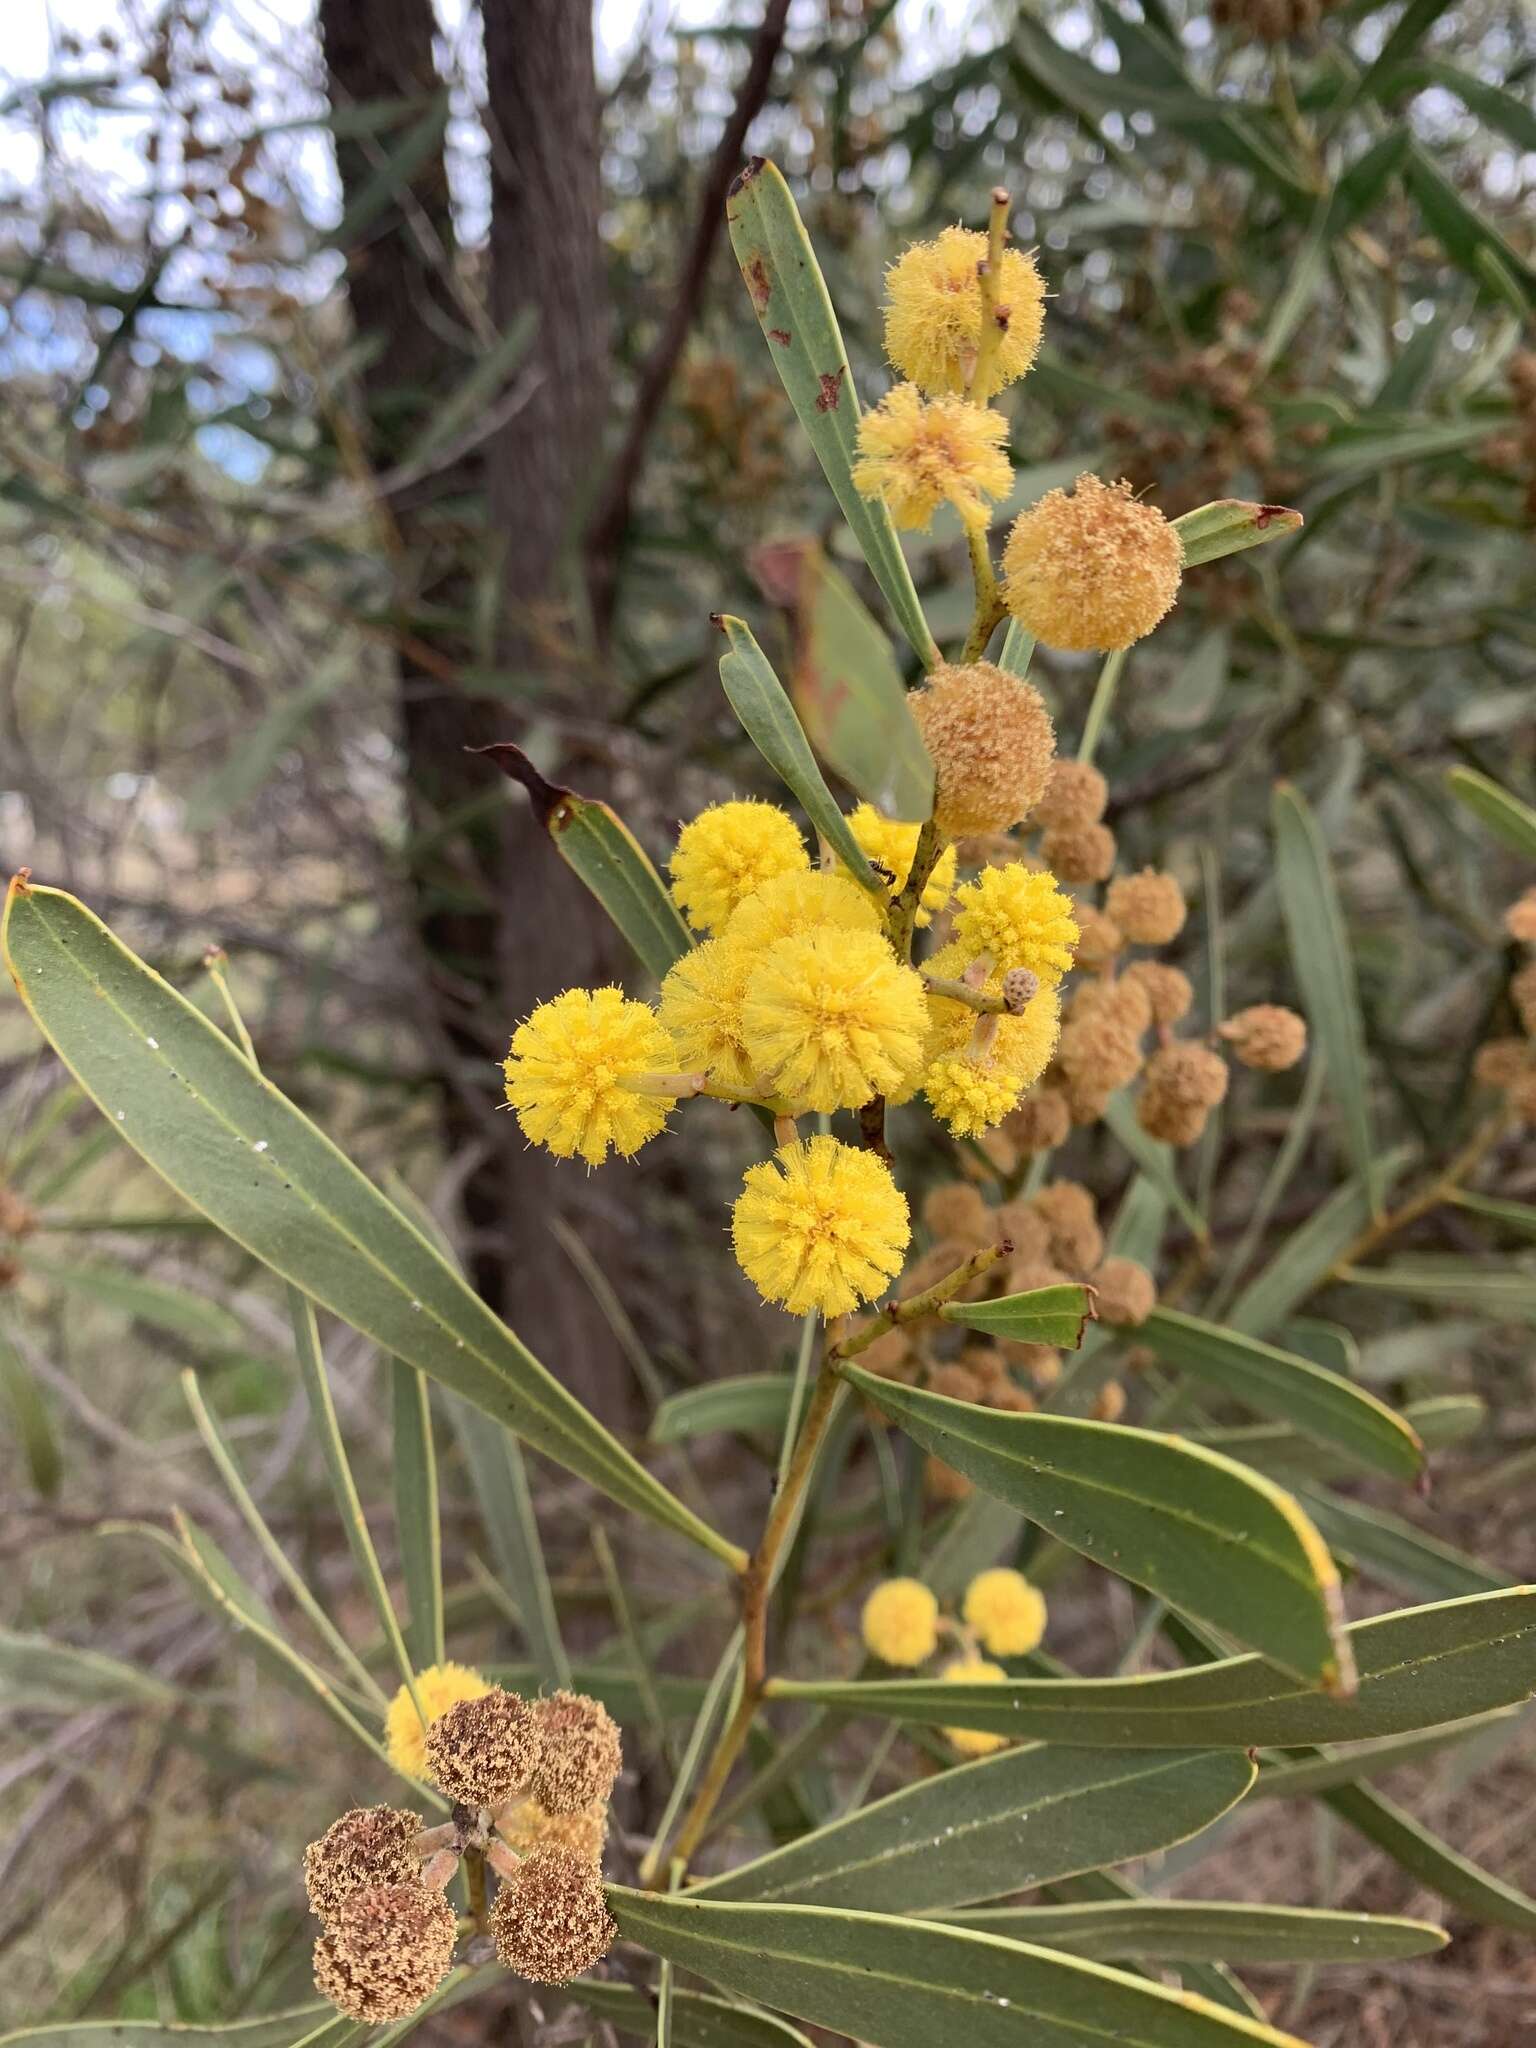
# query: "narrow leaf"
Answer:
x=768 y=719
x=1005 y=1824
x=789 y=296
x=1203 y=1930
x=747 y=1402
x=598 y=847
x=36 y=1672
x=1309 y=1254
x=1228 y=526
x=234 y=1147
x=1301 y=1776
x=1434 y=1863
x=1419 y=1668
x=698 y=2021
x=416 y=1513
x=1505 y=816
x=500 y=1478
x=1203 y=1533
x=1325 y=971
x=913 y=1983
x=1398 y=1555
x=273 y=2030
x=1045 y=1315
x=1322 y=1406
x=30 y=1420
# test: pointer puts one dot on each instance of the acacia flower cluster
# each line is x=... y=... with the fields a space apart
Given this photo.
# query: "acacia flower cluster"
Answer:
x=1001 y=1614
x=801 y=995
x=529 y=1782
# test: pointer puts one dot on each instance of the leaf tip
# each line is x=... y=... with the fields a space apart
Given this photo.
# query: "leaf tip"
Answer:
x=550 y=800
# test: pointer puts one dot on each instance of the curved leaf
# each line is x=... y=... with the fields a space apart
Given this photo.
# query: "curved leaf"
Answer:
x=789 y=296
x=194 y=1107
x=1203 y=1533
x=1045 y=1315
x=1201 y=1931
x=1504 y=815
x=915 y=1983
x=1008 y=1823
x=1322 y=1406
x=1434 y=1863
x=768 y=719
x=1419 y=1668
x=698 y=2021
x=1228 y=526
x=274 y=2030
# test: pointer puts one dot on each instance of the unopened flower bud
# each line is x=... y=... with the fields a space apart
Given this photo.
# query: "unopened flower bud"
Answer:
x=580 y=1752
x=1079 y=853
x=1126 y=1292
x=1167 y=989
x=954 y=1212
x=1520 y=919
x=386 y=1951
x=1095 y=569
x=551 y=1920
x=1099 y=938
x=1109 y=1402
x=1501 y=1061
x=1522 y=993
x=1076 y=794
x=943 y=1483
x=1266 y=1036
x=1041 y=1122
x=992 y=743
x=371 y=1845
x=1020 y=988
x=1149 y=907
x=1076 y=1242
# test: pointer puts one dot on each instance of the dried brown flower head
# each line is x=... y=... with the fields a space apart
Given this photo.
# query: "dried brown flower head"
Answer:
x=942 y=1482
x=1075 y=794
x=1520 y=919
x=1026 y=1275
x=1127 y=1293
x=1025 y=1229
x=1125 y=1001
x=1270 y=21
x=1042 y=1364
x=1071 y=1217
x=1266 y=1036
x=1098 y=1053
x=1501 y=1061
x=956 y=1381
x=483 y=1750
x=1040 y=1123
x=1522 y=1096
x=579 y=1754
x=19 y=1219
x=1010 y=1399
x=1095 y=569
x=1099 y=938
x=551 y=1920
x=992 y=744
x=1148 y=907
x=889 y=1357
x=1109 y=1402
x=1079 y=853
x=1522 y=992
x=1184 y=1082
x=954 y=1212
x=371 y=1845
x=386 y=1950
x=1167 y=989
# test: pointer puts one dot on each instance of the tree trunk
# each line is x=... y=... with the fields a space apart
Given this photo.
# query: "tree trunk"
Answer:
x=502 y=923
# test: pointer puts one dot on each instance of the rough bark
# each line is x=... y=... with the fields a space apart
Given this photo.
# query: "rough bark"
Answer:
x=501 y=922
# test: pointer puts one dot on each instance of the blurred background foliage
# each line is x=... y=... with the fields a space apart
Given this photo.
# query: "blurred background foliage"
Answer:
x=372 y=386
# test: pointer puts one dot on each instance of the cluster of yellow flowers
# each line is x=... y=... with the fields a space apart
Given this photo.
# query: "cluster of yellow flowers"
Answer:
x=1002 y=1613
x=1093 y=568
x=800 y=996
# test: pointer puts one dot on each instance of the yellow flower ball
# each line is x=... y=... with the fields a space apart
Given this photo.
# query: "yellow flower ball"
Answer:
x=992 y=744
x=726 y=852
x=900 y=1623
x=1019 y=916
x=892 y=844
x=438 y=1688
x=831 y=1019
x=974 y=1671
x=1006 y=1611
x=791 y=902
x=820 y=1226
x=700 y=1006
x=1093 y=570
x=918 y=454
x=566 y=1070
x=933 y=313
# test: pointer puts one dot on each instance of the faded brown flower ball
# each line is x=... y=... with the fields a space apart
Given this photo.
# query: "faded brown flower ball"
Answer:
x=1522 y=993
x=1038 y=1360
x=1149 y=907
x=942 y=1482
x=1126 y=1001
x=1025 y=1229
x=386 y=1950
x=1071 y=1217
x=1501 y=1061
x=1079 y=853
x=483 y=1750
x=1075 y=794
x=1184 y=1082
x=1041 y=1122
x=889 y=1357
x=526 y=1826
x=1025 y=1276
x=1109 y=1402
x=1266 y=1037
x=1167 y=989
x=579 y=1755
x=371 y=1845
x=1522 y=1096
x=955 y=1212
x=1099 y=938
x=1127 y=1293
x=992 y=744
x=551 y=1921
x=1098 y=1053
x=958 y=1382
x=1520 y=919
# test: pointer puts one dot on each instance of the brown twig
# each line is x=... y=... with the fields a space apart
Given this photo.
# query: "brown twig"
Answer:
x=607 y=525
